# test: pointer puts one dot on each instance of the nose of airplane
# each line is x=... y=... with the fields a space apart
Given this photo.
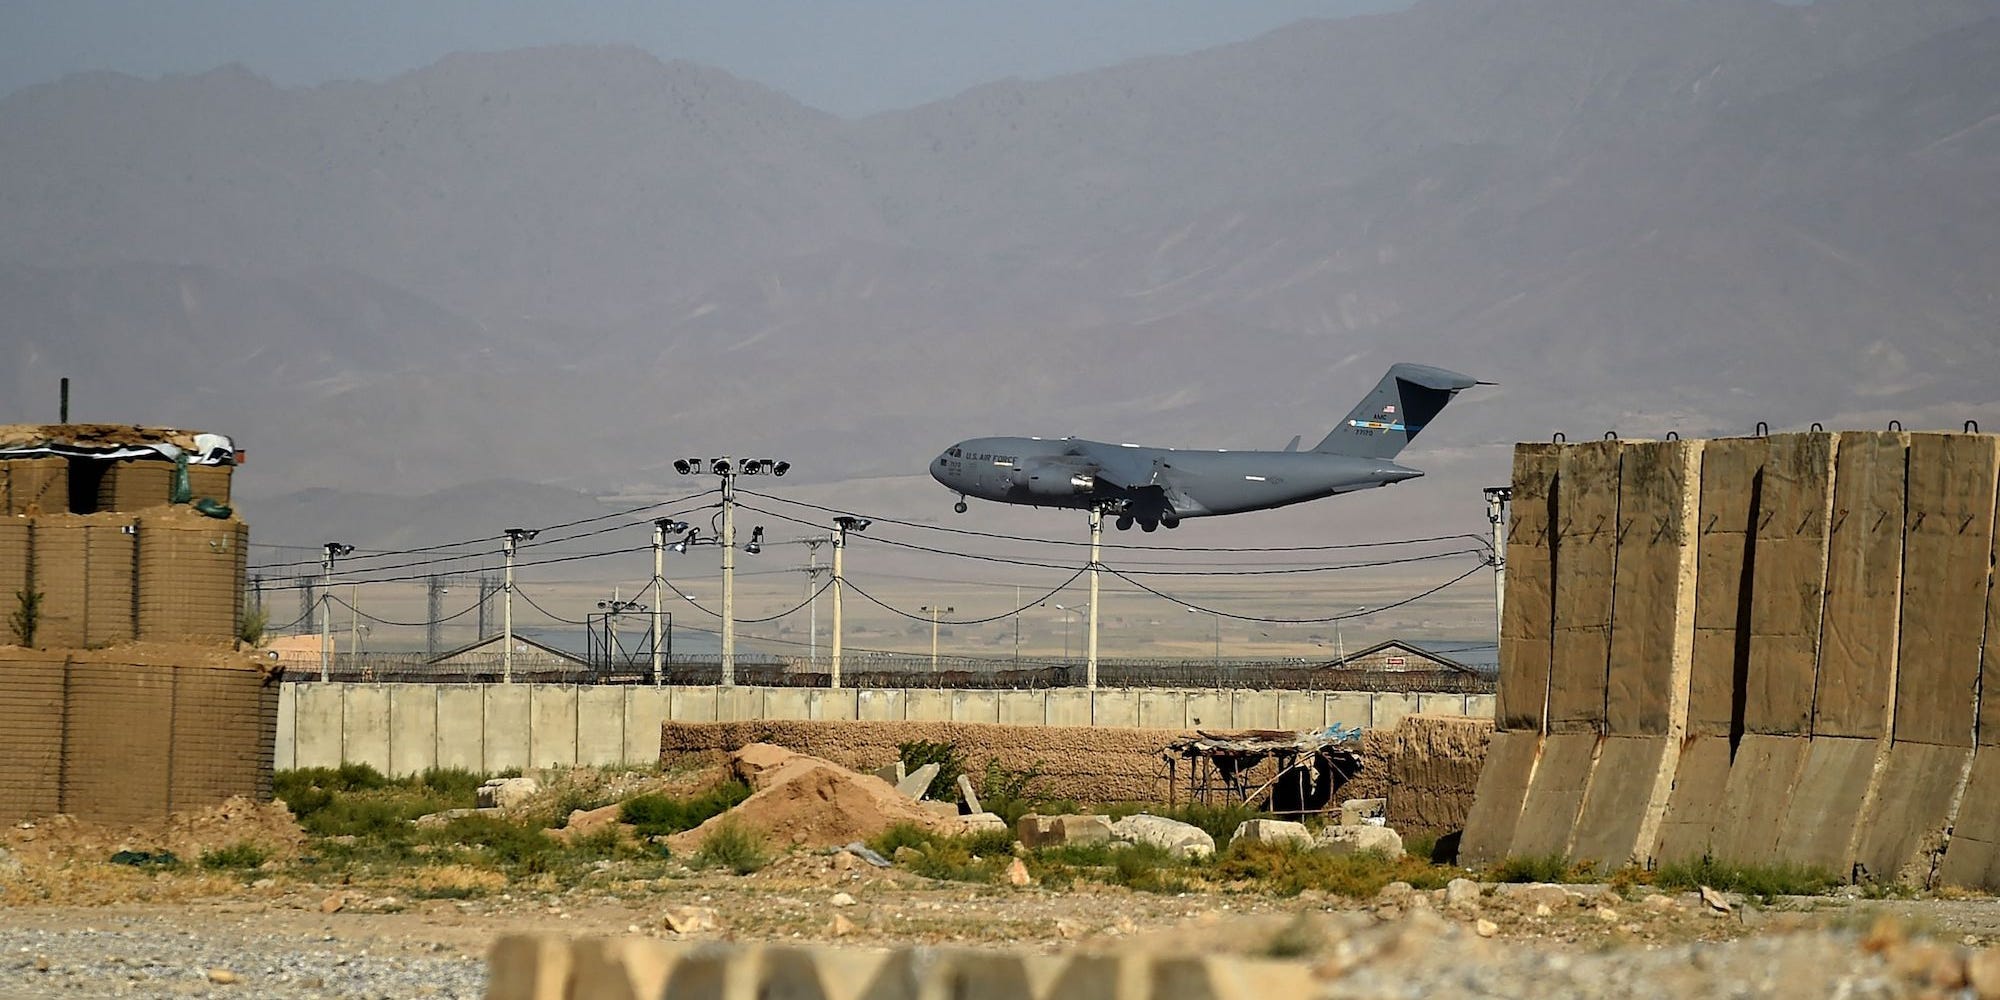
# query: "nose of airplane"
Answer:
x=940 y=464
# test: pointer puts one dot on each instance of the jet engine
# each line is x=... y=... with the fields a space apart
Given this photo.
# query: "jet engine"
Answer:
x=1060 y=483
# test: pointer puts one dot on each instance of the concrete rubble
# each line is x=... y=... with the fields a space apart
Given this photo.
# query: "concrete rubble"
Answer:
x=1183 y=839
x=507 y=793
x=1056 y=831
x=1272 y=831
x=1360 y=839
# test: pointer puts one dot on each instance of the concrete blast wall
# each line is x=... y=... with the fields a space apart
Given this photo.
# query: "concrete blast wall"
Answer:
x=1801 y=632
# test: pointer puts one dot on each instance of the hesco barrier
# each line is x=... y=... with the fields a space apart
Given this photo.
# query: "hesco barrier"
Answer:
x=1433 y=763
x=1801 y=632
x=547 y=967
x=131 y=733
x=190 y=576
x=211 y=481
x=135 y=484
x=34 y=485
x=16 y=543
x=83 y=568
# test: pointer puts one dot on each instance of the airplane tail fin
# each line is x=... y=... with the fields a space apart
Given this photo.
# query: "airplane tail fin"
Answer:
x=1389 y=417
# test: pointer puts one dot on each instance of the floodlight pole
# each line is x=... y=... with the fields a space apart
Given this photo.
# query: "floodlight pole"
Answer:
x=513 y=540
x=326 y=610
x=1096 y=542
x=659 y=589
x=727 y=470
x=934 y=610
x=839 y=546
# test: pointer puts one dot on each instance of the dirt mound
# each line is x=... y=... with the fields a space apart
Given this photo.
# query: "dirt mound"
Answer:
x=63 y=840
x=804 y=801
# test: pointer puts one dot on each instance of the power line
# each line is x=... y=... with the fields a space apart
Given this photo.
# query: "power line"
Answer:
x=1363 y=613
x=1333 y=547
x=385 y=621
x=872 y=599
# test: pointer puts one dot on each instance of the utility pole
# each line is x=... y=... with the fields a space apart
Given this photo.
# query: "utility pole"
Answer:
x=812 y=600
x=434 y=591
x=841 y=526
x=1096 y=541
x=332 y=551
x=1497 y=499
x=1017 y=625
x=933 y=610
x=353 y=622
x=514 y=537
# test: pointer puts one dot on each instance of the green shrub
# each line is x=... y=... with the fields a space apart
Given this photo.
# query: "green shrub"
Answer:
x=251 y=629
x=1289 y=869
x=1004 y=791
x=1762 y=881
x=658 y=815
x=508 y=842
x=950 y=762
x=240 y=855
x=1538 y=868
x=455 y=783
x=735 y=847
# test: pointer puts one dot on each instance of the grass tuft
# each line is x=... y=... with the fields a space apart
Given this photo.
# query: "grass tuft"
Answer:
x=1761 y=881
x=241 y=855
x=733 y=846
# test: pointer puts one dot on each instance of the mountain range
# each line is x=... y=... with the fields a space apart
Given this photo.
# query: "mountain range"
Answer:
x=569 y=266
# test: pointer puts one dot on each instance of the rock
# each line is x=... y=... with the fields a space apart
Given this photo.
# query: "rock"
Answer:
x=1461 y=892
x=1359 y=840
x=10 y=866
x=1017 y=874
x=1659 y=902
x=333 y=904
x=1529 y=895
x=1357 y=812
x=506 y=793
x=1054 y=831
x=844 y=862
x=841 y=899
x=906 y=854
x=690 y=919
x=983 y=822
x=918 y=783
x=1398 y=893
x=1183 y=839
x=968 y=796
x=1714 y=900
x=1485 y=928
x=1272 y=831
x=1607 y=914
x=223 y=977
x=892 y=773
x=445 y=817
x=587 y=821
x=840 y=926
x=753 y=761
x=866 y=853
x=1982 y=972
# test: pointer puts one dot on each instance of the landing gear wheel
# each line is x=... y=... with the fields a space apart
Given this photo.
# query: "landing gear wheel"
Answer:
x=959 y=507
x=1149 y=526
x=1124 y=523
x=1171 y=522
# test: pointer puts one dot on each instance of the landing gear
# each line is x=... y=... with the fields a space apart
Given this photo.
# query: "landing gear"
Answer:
x=1124 y=522
x=1149 y=525
x=1171 y=522
x=959 y=507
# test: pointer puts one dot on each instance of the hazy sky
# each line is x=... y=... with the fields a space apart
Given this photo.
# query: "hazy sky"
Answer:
x=845 y=56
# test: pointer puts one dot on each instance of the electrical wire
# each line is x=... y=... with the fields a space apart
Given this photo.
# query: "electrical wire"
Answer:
x=378 y=554
x=523 y=595
x=1363 y=613
x=872 y=599
x=1119 y=545
x=384 y=621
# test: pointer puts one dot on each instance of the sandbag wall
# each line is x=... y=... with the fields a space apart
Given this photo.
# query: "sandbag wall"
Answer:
x=132 y=733
x=165 y=575
x=1758 y=649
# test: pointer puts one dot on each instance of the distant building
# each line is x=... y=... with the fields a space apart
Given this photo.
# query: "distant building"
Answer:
x=1396 y=655
x=529 y=657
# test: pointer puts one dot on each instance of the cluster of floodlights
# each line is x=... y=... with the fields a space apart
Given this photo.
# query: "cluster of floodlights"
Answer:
x=694 y=537
x=730 y=466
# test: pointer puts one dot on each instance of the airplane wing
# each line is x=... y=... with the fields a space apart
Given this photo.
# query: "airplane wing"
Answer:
x=1122 y=468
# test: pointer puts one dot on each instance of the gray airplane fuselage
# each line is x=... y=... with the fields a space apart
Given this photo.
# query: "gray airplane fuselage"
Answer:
x=1026 y=470
x=1156 y=487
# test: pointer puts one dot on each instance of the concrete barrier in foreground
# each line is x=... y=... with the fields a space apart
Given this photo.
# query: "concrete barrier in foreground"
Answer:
x=545 y=967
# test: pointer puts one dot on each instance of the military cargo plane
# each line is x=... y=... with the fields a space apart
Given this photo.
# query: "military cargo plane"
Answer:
x=1154 y=487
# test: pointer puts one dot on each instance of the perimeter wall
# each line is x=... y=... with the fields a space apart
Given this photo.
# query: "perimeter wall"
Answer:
x=404 y=728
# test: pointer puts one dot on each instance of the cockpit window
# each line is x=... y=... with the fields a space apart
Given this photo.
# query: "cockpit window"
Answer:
x=955 y=453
